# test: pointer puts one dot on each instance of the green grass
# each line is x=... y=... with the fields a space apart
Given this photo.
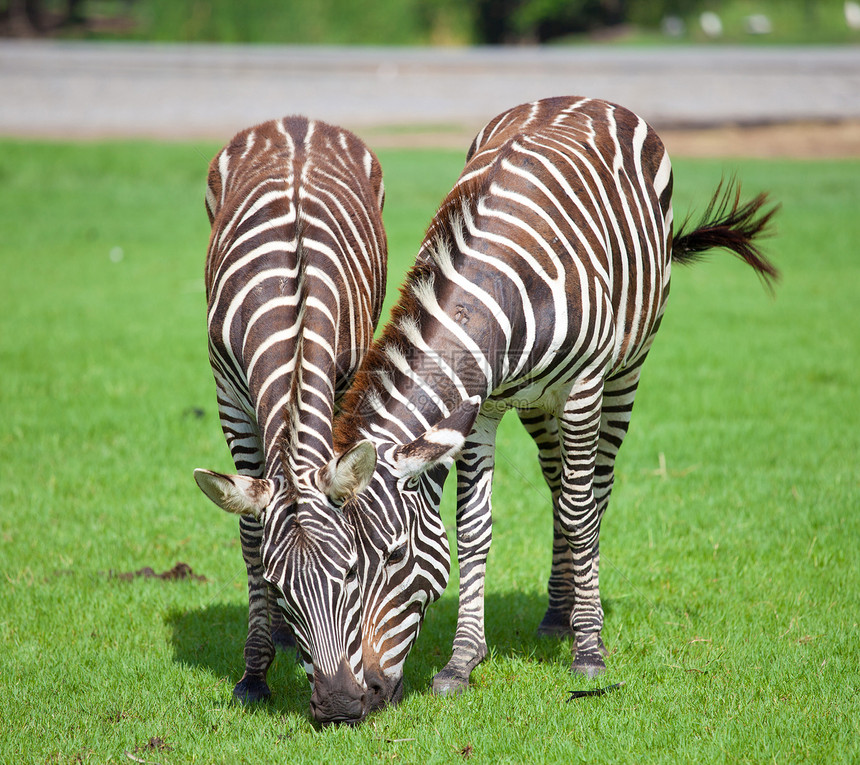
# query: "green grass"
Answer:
x=730 y=574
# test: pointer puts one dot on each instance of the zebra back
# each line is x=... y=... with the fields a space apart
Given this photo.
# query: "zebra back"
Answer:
x=295 y=274
x=561 y=217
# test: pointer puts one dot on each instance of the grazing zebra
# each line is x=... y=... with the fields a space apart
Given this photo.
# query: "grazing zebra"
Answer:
x=539 y=286
x=295 y=278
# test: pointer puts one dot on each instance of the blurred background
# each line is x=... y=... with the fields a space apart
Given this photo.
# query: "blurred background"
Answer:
x=437 y=22
x=431 y=72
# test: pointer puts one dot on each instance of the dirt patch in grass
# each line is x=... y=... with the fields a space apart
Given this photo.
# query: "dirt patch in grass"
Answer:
x=155 y=744
x=179 y=571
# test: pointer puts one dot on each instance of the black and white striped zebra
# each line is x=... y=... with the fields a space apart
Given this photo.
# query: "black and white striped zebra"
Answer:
x=540 y=285
x=295 y=278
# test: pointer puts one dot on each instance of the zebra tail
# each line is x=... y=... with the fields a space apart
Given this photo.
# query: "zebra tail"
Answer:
x=730 y=225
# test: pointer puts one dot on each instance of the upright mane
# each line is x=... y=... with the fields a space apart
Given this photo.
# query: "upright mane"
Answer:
x=368 y=388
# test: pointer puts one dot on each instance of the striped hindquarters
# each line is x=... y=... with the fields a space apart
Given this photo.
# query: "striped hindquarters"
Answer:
x=295 y=269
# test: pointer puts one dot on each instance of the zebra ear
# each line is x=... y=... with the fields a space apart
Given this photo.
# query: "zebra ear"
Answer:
x=347 y=475
x=239 y=494
x=443 y=441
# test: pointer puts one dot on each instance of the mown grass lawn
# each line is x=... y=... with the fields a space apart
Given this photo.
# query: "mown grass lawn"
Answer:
x=731 y=550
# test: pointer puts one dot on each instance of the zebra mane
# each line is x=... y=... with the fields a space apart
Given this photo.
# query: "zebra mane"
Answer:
x=293 y=404
x=378 y=366
x=460 y=204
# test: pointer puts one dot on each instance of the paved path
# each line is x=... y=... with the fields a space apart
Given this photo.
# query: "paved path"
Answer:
x=85 y=89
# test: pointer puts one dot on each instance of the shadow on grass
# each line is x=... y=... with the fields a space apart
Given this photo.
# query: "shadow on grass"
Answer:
x=511 y=620
x=213 y=638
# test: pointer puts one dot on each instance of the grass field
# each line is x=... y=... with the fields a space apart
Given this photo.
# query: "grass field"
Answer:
x=731 y=550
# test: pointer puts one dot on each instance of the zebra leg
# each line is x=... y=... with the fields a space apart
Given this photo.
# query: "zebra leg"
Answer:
x=259 y=648
x=579 y=521
x=282 y=635
x=243 y=439
x=619 y=393
x=474 y=534
x=543 y=428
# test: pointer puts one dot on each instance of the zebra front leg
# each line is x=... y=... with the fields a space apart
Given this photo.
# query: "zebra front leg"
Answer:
x=282 y=636
x=259 y=648
x=243 y=439
x=579 y=521
x=474 y=535
x=543 y=428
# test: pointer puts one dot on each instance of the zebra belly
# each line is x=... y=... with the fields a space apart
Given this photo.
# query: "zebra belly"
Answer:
x=549 y=398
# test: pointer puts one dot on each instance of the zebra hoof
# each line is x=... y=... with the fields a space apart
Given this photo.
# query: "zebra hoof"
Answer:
x=589 y=666
x=448 y=683
x=250 y=690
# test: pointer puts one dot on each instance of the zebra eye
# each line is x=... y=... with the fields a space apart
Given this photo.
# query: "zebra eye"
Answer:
x=397 y=554
x=351 y=574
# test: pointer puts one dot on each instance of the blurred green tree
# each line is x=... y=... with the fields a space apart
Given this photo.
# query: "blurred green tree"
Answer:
x=511 y=21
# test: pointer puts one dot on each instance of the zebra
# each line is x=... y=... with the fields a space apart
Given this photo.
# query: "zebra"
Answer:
x=539 y=286
x=295 y=277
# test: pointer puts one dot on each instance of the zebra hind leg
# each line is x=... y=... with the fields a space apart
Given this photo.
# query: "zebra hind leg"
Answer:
x=579 y=521
x=616 y=408
x=543 y=428
x=619 y=393
x=556 y=620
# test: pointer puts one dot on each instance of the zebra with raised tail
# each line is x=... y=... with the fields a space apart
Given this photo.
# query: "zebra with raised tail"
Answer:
x=540 y=285
x=295 y=278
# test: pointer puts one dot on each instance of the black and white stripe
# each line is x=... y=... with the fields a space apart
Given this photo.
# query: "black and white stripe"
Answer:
x=295 y=277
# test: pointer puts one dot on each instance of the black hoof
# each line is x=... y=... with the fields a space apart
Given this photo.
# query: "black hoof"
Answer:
x=449 y=683
x=250 y=690
x=589 y=666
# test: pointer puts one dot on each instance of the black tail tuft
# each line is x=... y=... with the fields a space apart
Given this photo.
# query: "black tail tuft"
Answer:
x=730 y=225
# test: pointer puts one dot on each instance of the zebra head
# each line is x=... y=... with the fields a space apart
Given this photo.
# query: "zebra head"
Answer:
x=311 y=562
x=403 y=552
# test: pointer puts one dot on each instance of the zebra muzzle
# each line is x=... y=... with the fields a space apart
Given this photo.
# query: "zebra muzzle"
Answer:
x=381 y=689
x=338 y=698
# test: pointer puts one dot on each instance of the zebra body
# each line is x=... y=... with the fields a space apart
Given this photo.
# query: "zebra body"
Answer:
x=539 y=287
x=295 y=278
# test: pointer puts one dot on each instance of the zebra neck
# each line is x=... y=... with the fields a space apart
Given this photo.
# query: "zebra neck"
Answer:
x=312 y=395
x=400 y=394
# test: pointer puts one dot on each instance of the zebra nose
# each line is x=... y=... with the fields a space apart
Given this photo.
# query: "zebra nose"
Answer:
x=338 y=699
x=376 y=686
x=343 y=710
x=381 y=689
